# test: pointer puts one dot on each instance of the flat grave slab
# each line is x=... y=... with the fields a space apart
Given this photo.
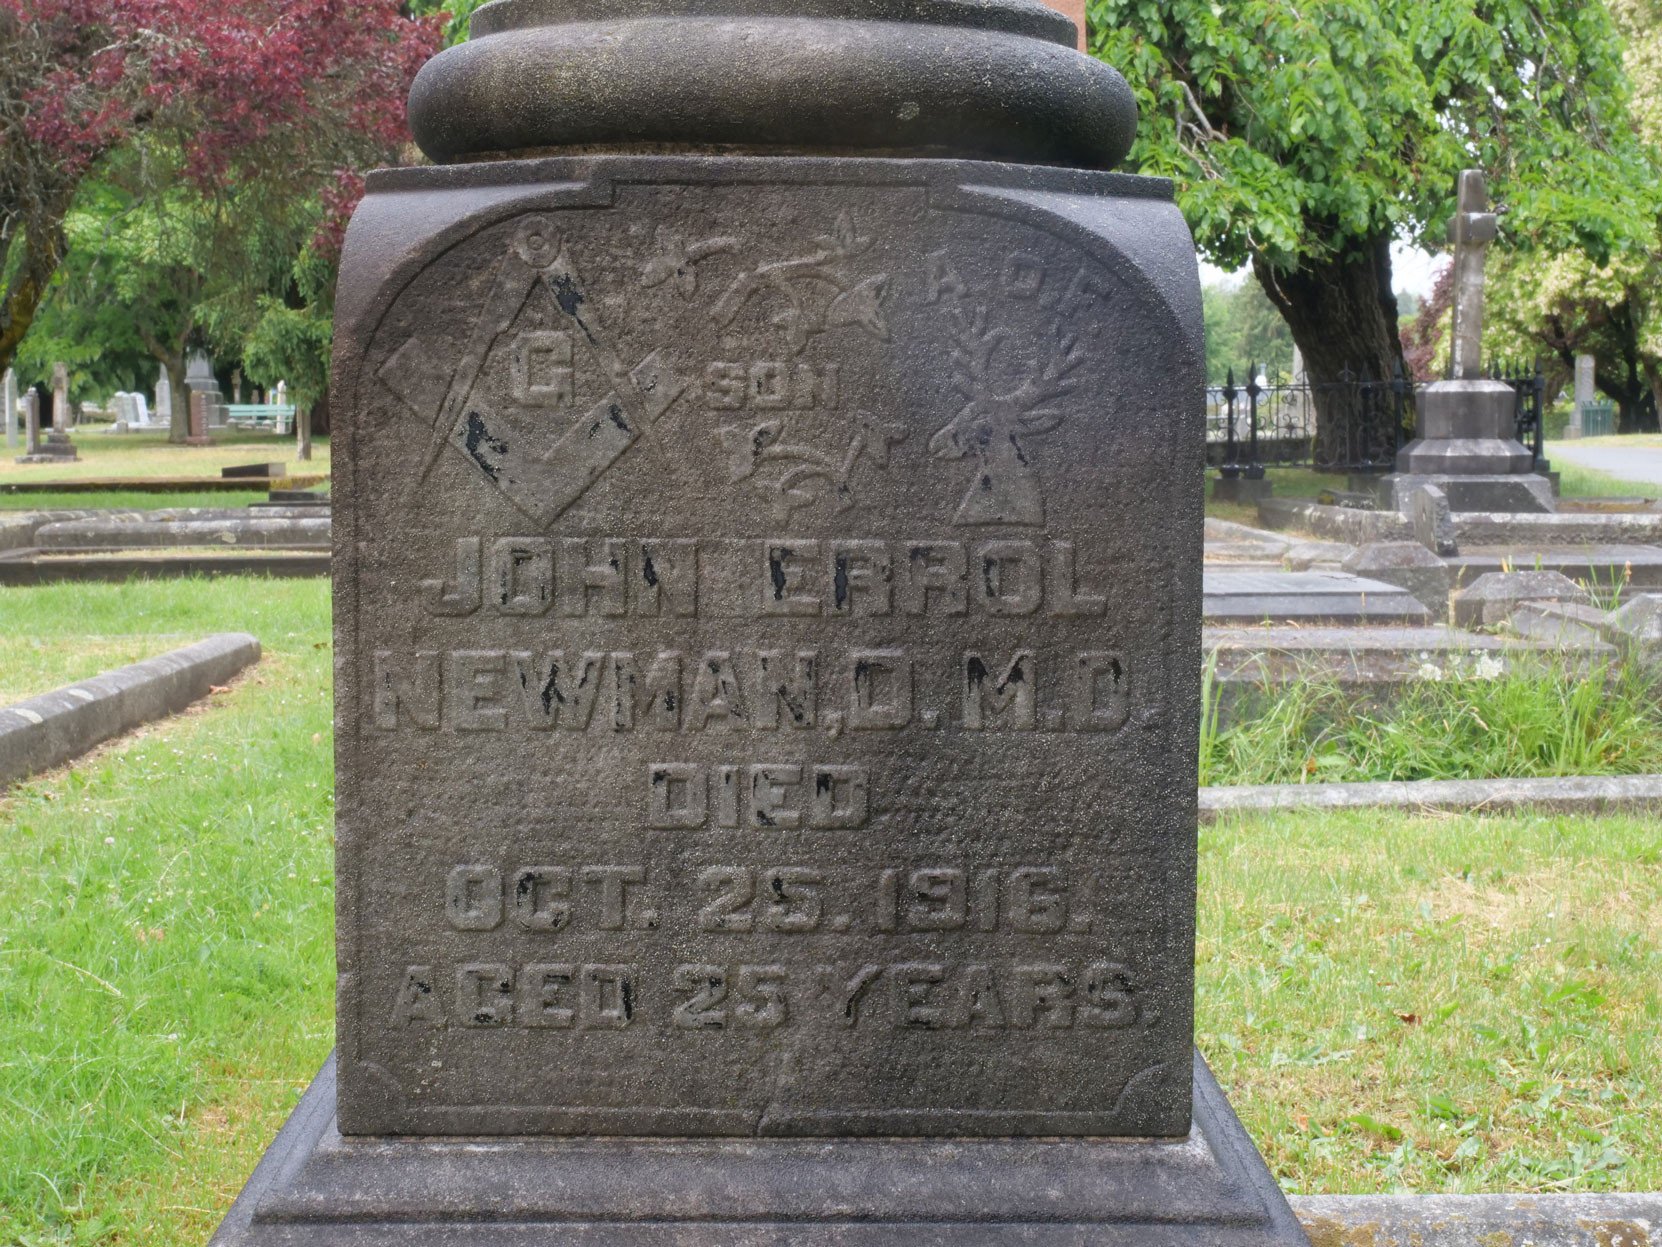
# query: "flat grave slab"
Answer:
x=1256 y=596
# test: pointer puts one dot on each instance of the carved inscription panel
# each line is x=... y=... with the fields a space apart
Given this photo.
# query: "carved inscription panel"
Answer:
x=768 y=644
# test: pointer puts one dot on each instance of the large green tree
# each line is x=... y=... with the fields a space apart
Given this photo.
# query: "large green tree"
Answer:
x=1568 y=304
x=1305 y=138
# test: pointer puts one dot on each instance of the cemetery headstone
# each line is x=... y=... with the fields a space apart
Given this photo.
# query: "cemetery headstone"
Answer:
x=1586 y=393
x=31 y=424
x=1433 y=521
x=1467 y=444
x=1491 y=598
x=164 y=398
x=8 y=406
x=199 y=406
x=1409 y=565
x=768 y=652
x=55 y=446
x=200 y=379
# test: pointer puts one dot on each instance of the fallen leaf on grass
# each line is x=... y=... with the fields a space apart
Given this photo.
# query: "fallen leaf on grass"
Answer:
x=219 y=688
x=1409 y=1019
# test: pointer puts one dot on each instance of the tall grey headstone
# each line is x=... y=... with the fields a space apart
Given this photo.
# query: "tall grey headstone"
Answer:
x=60 y=398
x=164 y=397
x=8 y=406
x=768 y=653
x=1586 y=391
x=1467 y=445
x=31 y=423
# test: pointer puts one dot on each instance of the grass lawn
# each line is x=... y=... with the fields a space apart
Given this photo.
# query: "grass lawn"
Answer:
x=150 y=454
x=1441 y=1004
x=1437 y=1004
x=166 y=925
x=128 y=500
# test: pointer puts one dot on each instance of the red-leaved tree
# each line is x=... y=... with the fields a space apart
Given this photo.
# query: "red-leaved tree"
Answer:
x=307 y=91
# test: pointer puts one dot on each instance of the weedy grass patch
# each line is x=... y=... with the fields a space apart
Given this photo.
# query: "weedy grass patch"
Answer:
x=1535 y=718
x=166 y=921
x=1437 y=1004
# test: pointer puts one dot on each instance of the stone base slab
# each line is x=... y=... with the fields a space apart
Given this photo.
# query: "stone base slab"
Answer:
x=317 y=1189
x=48 y=457
x=1526 y=493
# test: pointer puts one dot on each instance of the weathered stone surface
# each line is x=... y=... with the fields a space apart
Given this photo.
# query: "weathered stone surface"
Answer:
x=1491 y=599
x=1429 y=512
x=244 y=530
x=1310 y=597
x=316 y=1188
x=787 y=548
x=1575 y=794
x=1614 y=1220
x=996 y=79
x=1636 y=627
x=767 y=652
x=1409 y=565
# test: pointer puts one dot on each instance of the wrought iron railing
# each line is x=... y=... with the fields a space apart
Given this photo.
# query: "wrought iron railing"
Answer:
x=1361 y=425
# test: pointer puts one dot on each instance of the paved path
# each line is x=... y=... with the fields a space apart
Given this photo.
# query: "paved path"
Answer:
x=1627 y=463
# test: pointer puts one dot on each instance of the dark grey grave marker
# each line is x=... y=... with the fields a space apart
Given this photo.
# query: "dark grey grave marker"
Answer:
x=768 y=631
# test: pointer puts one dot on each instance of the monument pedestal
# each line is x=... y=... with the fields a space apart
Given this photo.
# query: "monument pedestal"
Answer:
x=57 y=448
x=315 y=1188
x=1466 y=449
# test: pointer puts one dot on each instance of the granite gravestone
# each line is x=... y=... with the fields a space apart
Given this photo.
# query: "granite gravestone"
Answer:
x=31 y=425
x=1467 y=445
x=164 y=397
x=767 y=623
x=8 y=405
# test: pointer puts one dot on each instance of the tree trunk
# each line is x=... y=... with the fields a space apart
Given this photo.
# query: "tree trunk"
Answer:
x=178 y=428
x=1343 y=315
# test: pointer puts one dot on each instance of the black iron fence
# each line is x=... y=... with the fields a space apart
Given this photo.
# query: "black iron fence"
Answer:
x=1356 y=424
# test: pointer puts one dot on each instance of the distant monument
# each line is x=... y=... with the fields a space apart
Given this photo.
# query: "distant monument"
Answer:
x=57 y=447
x=164 y=397
x=1468 y=446
x=768 y=653
x=200 y=380
x=8 y=406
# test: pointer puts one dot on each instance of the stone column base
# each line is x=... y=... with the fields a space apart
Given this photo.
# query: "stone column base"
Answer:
x=317 y=1189
x=1523 y=492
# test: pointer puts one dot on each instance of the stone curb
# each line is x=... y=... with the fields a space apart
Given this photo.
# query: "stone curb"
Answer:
x=1481 y=1220
x=59 y=726
x=1579 y=794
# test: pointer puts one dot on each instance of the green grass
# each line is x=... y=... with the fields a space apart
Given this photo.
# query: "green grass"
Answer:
x=127 y=500
x=1435 y=1004
x=1538 y=719
x=166 y=928
x=150 y=454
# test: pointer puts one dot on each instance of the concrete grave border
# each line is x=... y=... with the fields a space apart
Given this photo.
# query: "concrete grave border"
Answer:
x=1603 y=1220
x=60 y=726
x=1577 y=794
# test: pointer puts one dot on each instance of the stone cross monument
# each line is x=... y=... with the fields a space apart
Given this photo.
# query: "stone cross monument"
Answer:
x=1467 y=446
x=8 y=406
x=1471 y=231
x=768 y=642
x=1586 y=391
